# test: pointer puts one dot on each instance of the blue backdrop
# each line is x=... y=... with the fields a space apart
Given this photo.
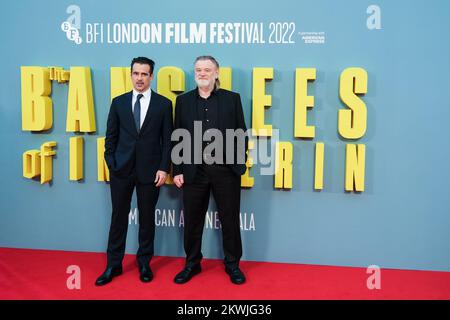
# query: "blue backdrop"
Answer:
x=401 y=220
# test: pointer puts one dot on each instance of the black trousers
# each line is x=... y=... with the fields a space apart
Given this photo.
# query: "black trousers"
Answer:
x=226 y=188
x=147 y=196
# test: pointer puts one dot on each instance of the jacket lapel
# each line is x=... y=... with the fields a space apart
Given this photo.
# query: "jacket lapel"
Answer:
x=150 y=110
x=129 y=111
x=195 y=116
x=220 y=112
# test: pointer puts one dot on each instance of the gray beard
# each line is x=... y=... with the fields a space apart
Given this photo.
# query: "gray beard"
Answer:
x=202 y=83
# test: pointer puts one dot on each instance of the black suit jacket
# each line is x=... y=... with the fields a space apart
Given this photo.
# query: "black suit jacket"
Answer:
x=230 y=116
x=147 y=151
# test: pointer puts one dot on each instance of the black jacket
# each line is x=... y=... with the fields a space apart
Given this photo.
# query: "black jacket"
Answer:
x=147 y=151
x=230 y=116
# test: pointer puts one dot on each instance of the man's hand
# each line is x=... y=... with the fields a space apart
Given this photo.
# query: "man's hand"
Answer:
x=160 y=178
x=178 y=180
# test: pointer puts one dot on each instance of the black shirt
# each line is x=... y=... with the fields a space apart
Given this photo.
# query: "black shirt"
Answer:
x=208 y=113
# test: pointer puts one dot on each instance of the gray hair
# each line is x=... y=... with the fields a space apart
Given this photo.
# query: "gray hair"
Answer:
x=213 y=60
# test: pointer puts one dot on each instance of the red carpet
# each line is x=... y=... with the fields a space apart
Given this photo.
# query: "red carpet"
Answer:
x=41 y=274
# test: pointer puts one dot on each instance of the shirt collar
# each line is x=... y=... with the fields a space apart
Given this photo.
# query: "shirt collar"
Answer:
x=213 y=93
x=147 y=94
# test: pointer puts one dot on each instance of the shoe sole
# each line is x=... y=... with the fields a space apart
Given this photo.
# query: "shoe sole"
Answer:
x=146 y=280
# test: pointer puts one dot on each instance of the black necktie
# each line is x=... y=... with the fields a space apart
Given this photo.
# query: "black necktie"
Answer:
x=137 y=112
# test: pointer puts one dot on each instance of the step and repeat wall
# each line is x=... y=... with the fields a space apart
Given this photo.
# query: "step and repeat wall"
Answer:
x=347 y=97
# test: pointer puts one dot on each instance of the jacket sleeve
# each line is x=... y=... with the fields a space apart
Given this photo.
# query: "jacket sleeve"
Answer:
x=240 y=124
x=166 y=134
x=112 y=136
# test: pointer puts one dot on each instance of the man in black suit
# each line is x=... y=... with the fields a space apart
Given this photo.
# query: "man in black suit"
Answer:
x=217 y=169
x=137 y=152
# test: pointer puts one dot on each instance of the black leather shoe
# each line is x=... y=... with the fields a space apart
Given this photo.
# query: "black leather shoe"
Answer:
x=187 y=273
x=146 y=274
x=236 y=275
x=108 y=275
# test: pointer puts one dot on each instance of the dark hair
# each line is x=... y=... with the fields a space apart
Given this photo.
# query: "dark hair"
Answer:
x=214 y=61
x=143 y=60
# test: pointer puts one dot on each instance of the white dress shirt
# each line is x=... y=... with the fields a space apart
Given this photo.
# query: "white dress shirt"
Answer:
x=145 y=103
